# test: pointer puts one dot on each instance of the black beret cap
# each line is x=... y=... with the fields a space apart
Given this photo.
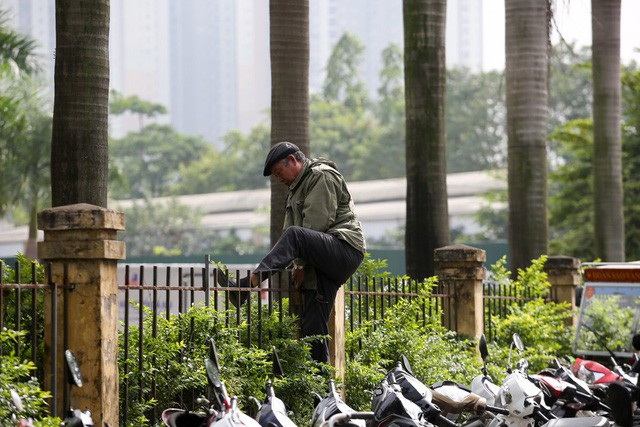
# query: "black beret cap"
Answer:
x=278 y=152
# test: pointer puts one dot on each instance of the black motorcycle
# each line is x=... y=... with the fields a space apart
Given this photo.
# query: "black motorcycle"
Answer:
x=272 y=412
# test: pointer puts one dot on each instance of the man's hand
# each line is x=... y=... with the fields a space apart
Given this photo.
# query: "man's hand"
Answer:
x=297 y=274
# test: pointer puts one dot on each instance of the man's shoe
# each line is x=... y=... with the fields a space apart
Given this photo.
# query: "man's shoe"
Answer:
x=237 y=298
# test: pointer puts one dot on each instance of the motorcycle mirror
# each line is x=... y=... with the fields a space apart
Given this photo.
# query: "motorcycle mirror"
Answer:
x=277 y=366
x=482 y=346
x=212 y=373
x=406 y=365
x=213 y=354
x=73 y=368
x=484 y=353
x=17 y=402
x=212 y=365
x=518 y=342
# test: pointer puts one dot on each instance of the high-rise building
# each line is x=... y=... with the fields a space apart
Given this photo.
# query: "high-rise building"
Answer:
x=139 y=56
x=464 y=34
x=208 y=61
x=220 y=66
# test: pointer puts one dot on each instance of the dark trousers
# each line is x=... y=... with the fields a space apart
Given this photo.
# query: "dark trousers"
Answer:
x=334 y=261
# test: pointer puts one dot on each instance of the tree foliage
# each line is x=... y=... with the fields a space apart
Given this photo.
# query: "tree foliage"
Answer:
x=343 y=83
x=16 y=375
x=571 y=200
x=16 y=51
x=151 y=160
x=21 y=108
x=571 y=191
x=119 y=104
x=541 y=323
x=476 y=137
x=237 y=166
x=25 y=132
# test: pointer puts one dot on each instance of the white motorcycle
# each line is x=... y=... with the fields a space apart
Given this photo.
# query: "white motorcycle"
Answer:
x=522 y=397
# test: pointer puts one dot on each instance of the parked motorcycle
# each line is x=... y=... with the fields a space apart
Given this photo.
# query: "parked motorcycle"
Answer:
x=483 y=384
x=391 y=407
x=332 y=406
x=272 y=412
x=449 y=399
x=223 y=411
x=454 y=399
x=403 y=400
x=567 y=395
x=619 y=386
x=524 y=400
x=518 y=394
x=593 y=372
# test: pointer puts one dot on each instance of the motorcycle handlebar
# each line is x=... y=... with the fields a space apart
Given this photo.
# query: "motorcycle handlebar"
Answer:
x=341 y=419
x=542 y=417
x=496 y=410
x=442 y=421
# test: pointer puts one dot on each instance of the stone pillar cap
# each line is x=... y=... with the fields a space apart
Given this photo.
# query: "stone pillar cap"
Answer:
x=460 y=253
x=80 y=216
x=562 y=261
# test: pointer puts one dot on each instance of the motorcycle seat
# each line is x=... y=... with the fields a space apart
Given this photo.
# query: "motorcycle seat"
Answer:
x=578 y=422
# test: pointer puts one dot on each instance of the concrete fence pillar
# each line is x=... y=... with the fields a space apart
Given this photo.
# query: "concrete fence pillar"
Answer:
x=84 y=238
x=337 y=356
x=462 y=267
x=563 y=272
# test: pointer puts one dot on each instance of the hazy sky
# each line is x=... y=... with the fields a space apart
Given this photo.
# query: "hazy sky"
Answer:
x=573 y=20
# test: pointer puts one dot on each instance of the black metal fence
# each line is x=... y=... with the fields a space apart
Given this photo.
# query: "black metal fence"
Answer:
x=149 y=292
x=22 y=309
x=498 y=300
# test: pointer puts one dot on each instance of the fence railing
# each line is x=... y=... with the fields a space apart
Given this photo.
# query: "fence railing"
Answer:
x=149 y=294
x=21 y=309
x=500 y=298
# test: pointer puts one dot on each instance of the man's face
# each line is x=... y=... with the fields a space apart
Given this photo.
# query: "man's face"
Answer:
x=286 y=170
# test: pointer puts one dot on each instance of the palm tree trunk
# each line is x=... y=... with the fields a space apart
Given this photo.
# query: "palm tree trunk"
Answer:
x=527 y=83
x=427 y=226
x=79 y=157
x=289 y=35
x=607 y=154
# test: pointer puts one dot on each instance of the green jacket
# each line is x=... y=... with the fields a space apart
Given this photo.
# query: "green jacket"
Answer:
x=319 y=199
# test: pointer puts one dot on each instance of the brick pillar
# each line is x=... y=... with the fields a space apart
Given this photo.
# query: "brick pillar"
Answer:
x=563 y=273
x=84 y=237
x=462 y=268
x=337 y=335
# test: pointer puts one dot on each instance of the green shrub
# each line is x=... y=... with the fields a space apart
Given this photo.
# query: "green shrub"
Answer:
x=540 y=321
x=17 y=375
x=30 y=271
x=435 y=353
x=175 y=357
